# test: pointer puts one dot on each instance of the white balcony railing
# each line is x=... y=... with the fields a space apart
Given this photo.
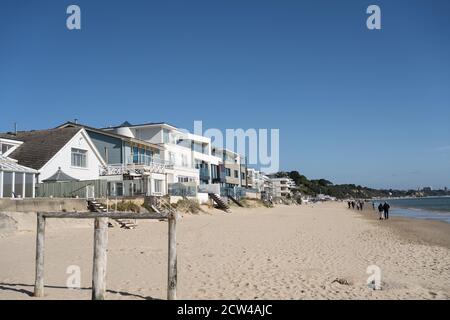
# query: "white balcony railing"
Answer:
x=140 y=168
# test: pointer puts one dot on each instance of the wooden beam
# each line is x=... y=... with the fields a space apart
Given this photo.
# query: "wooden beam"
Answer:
x=40 y=249
x=100 y=258
x=112 y=215
x=172 y=265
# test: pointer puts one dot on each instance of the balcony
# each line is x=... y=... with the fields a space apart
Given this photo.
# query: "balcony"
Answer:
x=137 y=165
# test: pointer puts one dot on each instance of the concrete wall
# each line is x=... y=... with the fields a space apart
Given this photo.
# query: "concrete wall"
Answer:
x=43 y=205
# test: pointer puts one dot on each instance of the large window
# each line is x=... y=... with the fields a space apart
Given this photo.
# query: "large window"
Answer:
x=227 y=172
x=79 y=158
x=236 y=174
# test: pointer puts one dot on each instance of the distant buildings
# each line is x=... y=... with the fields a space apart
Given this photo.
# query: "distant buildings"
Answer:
x=282 y=187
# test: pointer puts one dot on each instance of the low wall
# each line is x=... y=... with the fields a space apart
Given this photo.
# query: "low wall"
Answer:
x=42 y=205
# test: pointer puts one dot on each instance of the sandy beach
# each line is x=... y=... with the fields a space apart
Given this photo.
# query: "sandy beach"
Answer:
x=287 y=252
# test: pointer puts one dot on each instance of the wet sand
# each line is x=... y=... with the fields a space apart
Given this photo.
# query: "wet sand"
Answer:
x=415 y=230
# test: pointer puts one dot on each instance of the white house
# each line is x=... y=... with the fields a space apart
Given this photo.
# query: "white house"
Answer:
x=69 y=150
x=189 y=155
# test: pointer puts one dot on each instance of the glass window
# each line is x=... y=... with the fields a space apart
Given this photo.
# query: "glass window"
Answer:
x=165 y=136
x=227 y=172
x=7 y=184
x=79 y=158
x=158 y=186
x=236 y=174
x=184 y=161
x=18 y=185
x=135 y=155
x=29 y=185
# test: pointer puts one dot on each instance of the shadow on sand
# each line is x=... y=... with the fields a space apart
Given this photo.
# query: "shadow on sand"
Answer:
x=16 y=287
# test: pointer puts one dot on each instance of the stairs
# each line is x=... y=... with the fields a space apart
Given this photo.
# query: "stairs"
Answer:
x=219 y=202
x=95 y=206
x=160 y=205
x=235 y=201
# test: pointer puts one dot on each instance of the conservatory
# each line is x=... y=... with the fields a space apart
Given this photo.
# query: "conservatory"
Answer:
x=16 y=181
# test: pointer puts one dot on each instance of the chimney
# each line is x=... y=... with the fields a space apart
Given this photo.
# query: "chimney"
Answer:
x=15 y=128
x=76 y=121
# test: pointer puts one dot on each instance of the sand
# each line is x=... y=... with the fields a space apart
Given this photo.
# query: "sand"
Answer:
x=287 y=252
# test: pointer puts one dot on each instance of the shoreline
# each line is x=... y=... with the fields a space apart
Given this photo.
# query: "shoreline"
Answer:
x=421 y=231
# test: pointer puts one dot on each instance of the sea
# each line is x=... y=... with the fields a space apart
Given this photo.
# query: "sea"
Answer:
x=432 y=208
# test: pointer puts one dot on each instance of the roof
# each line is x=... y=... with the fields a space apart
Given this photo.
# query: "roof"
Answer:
x=39 y=146
x=128 y=124
x=108 y=133
x=7 y=164
x=60 y=176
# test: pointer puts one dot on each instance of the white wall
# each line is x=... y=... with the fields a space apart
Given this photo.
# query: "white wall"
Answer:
x=63 y=159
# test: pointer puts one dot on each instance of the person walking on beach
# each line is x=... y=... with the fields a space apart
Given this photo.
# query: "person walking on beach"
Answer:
x=380 y=211
x=349 y=204
x=361 y=205
x=386 y=208
x=373 y=205
x=353 y=204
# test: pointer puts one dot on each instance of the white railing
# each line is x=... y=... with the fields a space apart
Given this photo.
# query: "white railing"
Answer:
x=154 y=166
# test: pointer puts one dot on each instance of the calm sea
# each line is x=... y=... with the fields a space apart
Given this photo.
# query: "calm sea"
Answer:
x=435 y=208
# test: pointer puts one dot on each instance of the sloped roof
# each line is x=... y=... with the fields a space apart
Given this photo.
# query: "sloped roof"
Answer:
x=7 y=164
x=39 y=146
x=60 y=176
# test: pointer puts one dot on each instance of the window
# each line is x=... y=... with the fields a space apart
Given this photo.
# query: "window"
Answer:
x=227 y=172
x=165 y=136
x=184 y=160
x=158 y=186
x=171 y=157
x=243 y=176
x=4 y=148
x=79 y=158
x=236 y=174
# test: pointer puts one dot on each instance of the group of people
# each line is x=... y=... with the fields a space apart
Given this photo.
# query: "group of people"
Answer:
x=383 y=210
x=359 y=205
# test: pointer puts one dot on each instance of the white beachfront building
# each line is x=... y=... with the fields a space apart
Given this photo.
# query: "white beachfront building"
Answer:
x=256 y=179
x=189 y=155
x=281 y=187
x=54 y=151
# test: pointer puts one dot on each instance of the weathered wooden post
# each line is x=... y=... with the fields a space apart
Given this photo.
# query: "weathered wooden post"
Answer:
x=172 y=267
x=100 y=258
x=40 y=250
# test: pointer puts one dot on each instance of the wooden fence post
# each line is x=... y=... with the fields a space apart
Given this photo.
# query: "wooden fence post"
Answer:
x=100 y=258
x=40 y=250
x=172 y=267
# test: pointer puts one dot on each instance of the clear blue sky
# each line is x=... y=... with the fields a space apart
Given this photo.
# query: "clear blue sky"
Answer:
x=352 y=105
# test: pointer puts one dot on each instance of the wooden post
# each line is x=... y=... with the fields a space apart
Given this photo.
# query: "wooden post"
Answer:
x=40 y=249
x=172 y=267
x=100 y=257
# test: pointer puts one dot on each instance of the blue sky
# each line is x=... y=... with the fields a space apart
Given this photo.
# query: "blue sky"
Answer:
x=352 y=105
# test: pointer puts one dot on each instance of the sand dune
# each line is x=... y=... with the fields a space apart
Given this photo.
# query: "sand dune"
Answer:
x=294 y=252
